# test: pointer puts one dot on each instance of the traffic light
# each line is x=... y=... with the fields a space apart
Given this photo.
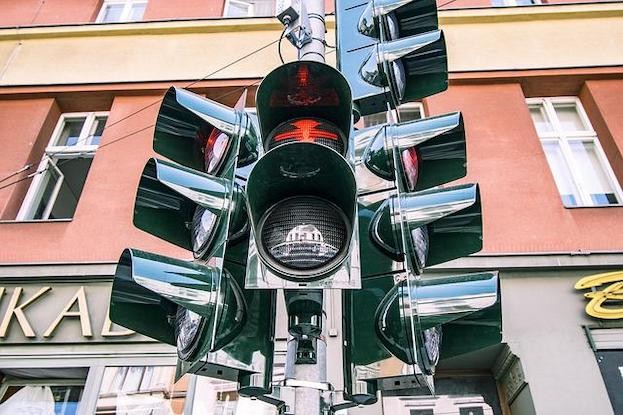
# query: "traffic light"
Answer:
x=196 y=202
x=395 y=334
x=301 y=193
x=391 y=51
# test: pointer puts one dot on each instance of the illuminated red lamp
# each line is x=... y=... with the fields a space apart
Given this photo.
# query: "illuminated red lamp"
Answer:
x=411 y=168
x=214 y=147
x=309 y=130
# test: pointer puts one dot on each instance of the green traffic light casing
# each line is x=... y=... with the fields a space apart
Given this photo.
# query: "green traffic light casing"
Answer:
x=390 y=344
x=167 y=197
x=385 y=199
x=301 y=168
x=247 y=355
x=390 y=51
x=438 y=141
x=185 y=116
x=452 y=217
x=235 y=339
x=395 y=333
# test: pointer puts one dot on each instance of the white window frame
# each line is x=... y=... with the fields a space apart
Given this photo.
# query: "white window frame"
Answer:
x=125 y=13
x=393 y=115
x=564 y=138
x=248 y=3
x=51 y=155
x=514 y=3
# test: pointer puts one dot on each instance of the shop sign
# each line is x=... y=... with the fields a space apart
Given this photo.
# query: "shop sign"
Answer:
x=605 y=296
x=58 y=313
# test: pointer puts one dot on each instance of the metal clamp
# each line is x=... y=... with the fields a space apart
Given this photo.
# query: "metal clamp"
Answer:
x=323 y=386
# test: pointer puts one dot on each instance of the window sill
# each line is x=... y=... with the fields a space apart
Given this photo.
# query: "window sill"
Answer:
x=594 y=206
x=35 y=221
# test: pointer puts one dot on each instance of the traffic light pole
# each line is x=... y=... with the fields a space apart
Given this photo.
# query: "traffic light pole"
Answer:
x=310 y=379
x=314 y=50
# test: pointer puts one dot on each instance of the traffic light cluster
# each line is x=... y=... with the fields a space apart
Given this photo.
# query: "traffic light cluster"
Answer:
x=391 y=51
x=401 y=322
x=296 y=198
x=196 y=202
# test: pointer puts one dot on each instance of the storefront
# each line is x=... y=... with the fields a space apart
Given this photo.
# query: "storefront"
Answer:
x=59 y=353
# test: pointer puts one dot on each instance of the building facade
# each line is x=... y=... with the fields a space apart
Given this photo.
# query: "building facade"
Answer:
x=539 y=85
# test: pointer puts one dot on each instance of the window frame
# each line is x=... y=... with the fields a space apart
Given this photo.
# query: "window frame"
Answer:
x=566 y=138
x=513 y=3
x=51 y=155
x=250 y=9
x=394 y=114
x=125 y=13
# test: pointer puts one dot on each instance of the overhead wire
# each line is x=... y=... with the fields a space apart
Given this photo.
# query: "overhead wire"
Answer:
x=445 y=4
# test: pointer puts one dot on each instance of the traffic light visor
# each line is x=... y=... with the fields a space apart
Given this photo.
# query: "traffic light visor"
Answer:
x=304 y=89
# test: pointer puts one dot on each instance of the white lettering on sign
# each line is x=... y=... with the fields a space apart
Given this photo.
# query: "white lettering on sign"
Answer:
x=77 y=307
x=621 y=371
x=18 y=312
x=82 y=314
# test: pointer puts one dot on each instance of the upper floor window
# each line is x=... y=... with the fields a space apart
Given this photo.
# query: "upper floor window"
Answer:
x=249 y=8
x=406 y=112
x=502 y=3
x=60 y=177
x=579 y=165
x=113 y=11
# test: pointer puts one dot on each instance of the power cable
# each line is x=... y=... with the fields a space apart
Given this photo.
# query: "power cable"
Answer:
x=15 y=173
x=445 y=4
x=283 y=32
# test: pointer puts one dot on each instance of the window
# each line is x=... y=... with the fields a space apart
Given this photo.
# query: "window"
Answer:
x=249 y=8
x=406 y=112
x=26 y=391
x=141 y=390
x=611 y=365
x=457 y=395
x=578 y=163
x=60 y=177
x=504 y=3
x=113 y=11
x=220 y=397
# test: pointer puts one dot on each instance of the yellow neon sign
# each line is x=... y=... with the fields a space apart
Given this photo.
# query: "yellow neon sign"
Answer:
x=598 y=305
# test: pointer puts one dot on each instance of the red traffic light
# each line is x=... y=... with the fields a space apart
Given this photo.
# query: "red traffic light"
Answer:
x=307 y=130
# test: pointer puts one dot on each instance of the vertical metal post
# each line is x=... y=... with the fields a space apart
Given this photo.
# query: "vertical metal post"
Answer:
x=309 y=377
x=314 y=50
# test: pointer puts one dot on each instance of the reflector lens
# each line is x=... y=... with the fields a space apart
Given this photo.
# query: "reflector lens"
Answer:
x=392 y=27
x=419 y=238
x=309 y=130
x=187 y=329
x=399 y=78
x=204 y=223
x=214 y=148
x=432 y=342
x=304 y=233
x=410 y=164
